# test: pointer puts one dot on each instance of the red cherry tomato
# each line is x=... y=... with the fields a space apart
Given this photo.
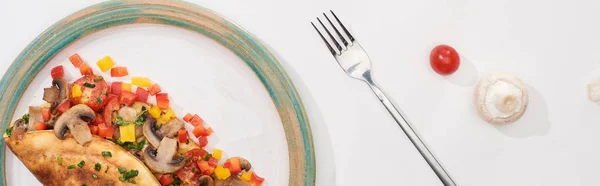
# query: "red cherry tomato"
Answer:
x=94 y=90
x=444 y=60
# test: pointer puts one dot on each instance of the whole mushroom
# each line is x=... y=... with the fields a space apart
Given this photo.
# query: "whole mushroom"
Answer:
x=73 y=120
x=501 y=98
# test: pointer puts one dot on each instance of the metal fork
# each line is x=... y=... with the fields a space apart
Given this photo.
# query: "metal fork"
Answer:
x=356 y=63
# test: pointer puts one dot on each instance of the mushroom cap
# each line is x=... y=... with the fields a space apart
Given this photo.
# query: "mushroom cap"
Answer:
x=161 y=160
x=511 y=105
x=150 y=132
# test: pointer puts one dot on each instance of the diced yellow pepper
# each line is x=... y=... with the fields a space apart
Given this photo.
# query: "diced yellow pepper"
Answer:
x=169 y=113
x=76 y=91
x=125 y=87
x=222 y=173
x=105 y=63
x=217 y=153
x=246 y=176
x=163 y=119
x=155 y=112
x=127 y=132
x=141 y=81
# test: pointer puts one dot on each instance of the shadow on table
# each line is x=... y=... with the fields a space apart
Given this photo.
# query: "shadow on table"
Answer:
x=325 y=162
x=466 y=75
x=534 y=122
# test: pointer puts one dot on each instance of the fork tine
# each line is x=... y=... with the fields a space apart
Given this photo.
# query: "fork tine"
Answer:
x=324 y=40
x=336 y=30
x=331 y=36
x=343 y=27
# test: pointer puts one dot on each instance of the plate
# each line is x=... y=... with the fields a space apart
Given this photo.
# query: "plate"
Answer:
x=207 y=64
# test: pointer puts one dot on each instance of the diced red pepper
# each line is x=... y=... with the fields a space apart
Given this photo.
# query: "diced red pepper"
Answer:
x=203 y=165
x=76 y=60
x=166 y=179
x=196 y=120
x=182 y=136
x=142 y=95
x=119 y=72
x=64 y=106
x=213 y=162
x=203 y=141
x=94 y=129
x=99 y=119
x=154 y=89
x=187 y=117
x=57 y=72
x=46 y=115
x=234 y=165
x=84 y=69
x=112 y=104
x=40 y=125
x=162 y=101
x=115 y=87
x=105 y=131
x=127 y=98
x=199 y=130
x=255 y=180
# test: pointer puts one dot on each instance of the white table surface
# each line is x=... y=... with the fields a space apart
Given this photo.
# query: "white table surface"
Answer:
x=551 y=45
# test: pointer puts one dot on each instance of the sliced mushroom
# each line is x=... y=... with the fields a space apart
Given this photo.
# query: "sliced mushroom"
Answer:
x=51 y=94
x=171 y=128
x=206 y=181
x=150 y=132
x=161 y=160
x=244 y=164
x=139 y=105
x=501 y=98
x=19 y=128
x=128 y=114
x=60 y=86
x=231 y=181
x=72 y=120
x=35 y=115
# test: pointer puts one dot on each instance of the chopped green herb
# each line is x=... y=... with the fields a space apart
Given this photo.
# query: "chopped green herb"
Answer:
x=106 y=153
x=187 y=159
x=132 y=173
x=94 y=176
x=193 y=169
x=207 y=156
x=9 y=130
x=121 y=178
x=131 y=181
x=81 y=164
x=131 y=145
x=60 y=160
x=103 y=92
x=122 y=170
x=140 y=119
x=176 y=180
x=97 y=167
x=107 y=184
x=89 y=85
x=99 y=78
x=83 y=185
x=120 y=121
x=25 y=118
x=98 y=100
x=71 y=167
x=101 y=111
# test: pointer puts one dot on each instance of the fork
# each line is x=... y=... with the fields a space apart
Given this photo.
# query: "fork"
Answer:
x=356 y=63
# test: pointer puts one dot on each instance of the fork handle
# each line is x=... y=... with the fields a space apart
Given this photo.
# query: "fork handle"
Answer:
x=412 y=135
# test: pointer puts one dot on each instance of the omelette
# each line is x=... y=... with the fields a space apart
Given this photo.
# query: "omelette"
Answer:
x=94 y=132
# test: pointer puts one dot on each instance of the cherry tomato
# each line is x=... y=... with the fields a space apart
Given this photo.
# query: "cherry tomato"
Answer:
x=166 y=179
x=112 y=104
x=444 y=60
x=94 y=90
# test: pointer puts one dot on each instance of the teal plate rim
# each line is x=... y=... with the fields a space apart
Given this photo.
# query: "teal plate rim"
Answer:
x=302 y=168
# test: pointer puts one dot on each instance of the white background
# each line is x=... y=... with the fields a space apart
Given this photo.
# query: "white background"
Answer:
x=551 y=45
